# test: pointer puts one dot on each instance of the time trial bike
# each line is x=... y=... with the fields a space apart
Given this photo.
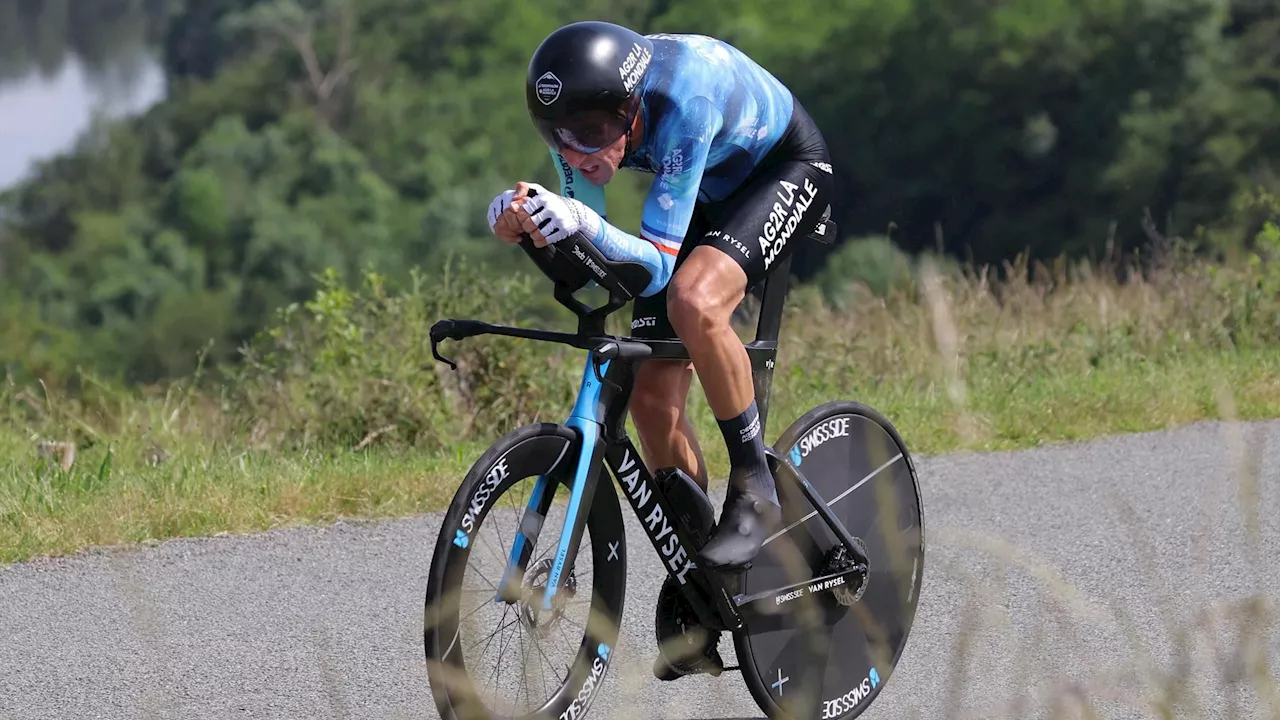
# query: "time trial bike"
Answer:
x=819 y=619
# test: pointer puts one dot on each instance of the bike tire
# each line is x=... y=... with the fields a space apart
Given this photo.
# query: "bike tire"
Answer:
x=858 y=462
x=539 y=449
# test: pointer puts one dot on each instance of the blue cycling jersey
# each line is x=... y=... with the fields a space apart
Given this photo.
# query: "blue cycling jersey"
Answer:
x=710 y=116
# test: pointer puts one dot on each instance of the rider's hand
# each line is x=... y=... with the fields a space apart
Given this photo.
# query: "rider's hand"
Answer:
x=503 y=221
x=550 y=218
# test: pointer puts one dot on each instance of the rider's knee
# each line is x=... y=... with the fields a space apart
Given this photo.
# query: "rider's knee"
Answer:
x=657 y=399
x=695 y=306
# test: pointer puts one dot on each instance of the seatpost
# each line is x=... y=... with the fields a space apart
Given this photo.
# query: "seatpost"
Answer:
x=763 y=351
x=776 y=286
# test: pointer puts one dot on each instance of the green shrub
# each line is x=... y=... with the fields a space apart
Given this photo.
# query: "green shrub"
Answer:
x=876 y=263
x=1250 y=295
x=353 y=365
x=349 y=363
x=873 y=261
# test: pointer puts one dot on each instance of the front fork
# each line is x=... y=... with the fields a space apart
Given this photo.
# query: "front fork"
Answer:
x=585 y=420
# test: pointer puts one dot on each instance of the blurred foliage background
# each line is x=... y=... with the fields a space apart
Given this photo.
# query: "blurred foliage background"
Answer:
x=296 y=137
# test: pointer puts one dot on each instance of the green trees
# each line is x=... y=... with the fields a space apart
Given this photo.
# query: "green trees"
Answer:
x=300 y=135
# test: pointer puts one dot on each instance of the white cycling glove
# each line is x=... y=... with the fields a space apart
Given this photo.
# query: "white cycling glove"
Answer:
x=499 y=204
x=566 y=215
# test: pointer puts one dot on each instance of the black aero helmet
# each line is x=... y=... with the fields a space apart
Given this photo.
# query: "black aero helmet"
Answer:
x=581 y=87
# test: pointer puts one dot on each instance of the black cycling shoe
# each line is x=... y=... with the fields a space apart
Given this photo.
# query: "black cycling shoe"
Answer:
x=708 y=662
x=747 y=519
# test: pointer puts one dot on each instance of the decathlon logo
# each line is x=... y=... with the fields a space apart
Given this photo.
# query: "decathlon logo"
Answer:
x=548 y=88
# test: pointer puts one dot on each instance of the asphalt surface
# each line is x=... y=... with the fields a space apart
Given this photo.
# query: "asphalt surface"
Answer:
x=1115 y=573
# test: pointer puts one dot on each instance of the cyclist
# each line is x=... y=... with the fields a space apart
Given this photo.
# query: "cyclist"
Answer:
x=741 y=175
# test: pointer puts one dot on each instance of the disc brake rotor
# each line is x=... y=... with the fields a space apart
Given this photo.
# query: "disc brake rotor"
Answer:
x=535 y=583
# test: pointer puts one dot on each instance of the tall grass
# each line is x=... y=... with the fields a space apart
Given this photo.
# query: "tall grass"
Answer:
x=339 y=408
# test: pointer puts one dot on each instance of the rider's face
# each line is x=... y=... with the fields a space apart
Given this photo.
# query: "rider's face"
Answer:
x=598 y=167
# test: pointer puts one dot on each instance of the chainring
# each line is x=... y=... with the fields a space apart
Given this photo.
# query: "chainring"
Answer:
x=676 y=625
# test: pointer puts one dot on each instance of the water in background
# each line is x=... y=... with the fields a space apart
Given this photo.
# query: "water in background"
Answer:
x=64 y=61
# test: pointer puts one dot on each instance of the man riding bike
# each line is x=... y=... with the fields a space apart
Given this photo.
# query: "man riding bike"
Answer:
x=742 y=174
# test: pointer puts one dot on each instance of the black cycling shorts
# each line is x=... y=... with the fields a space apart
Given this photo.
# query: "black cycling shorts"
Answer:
x=779 y=204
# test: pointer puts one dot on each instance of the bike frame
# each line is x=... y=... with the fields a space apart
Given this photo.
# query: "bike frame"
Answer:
x=598 y=418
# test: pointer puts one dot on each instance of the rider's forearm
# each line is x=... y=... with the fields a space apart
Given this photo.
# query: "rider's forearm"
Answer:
x=617 y=245
x=613 y=243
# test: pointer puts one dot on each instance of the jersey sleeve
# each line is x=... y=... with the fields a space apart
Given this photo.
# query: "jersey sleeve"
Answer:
x=685 y=144
x=668 y=208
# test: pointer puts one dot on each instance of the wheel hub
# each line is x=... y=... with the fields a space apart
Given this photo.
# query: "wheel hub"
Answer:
x=839 y=560
x=535 y=584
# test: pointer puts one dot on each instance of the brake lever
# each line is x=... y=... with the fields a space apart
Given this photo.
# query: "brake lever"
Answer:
x=605 y=352
x=440 y=331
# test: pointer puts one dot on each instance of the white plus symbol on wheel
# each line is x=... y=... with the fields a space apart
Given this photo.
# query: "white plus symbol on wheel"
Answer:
x=781 y=681
x=613 y=551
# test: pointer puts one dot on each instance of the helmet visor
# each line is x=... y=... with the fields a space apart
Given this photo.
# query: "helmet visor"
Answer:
x=586 y=132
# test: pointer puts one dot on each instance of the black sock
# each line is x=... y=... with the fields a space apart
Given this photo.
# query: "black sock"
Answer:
x=745 y=442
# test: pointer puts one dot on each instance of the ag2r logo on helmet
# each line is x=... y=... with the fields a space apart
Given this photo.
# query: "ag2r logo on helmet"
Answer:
x=634 y=66
x=548 y=88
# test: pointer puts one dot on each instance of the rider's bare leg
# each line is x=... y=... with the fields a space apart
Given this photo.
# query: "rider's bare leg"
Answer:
x=701 y=298
x=658 y=400
x=704 y=292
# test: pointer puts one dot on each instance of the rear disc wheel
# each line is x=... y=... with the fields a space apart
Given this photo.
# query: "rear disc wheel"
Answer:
x=825 y=649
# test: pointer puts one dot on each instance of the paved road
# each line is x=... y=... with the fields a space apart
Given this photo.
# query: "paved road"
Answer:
x=1054 y=574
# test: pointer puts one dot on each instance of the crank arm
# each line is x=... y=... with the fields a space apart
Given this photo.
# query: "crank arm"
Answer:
x=729 y=612
x=709 y=597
